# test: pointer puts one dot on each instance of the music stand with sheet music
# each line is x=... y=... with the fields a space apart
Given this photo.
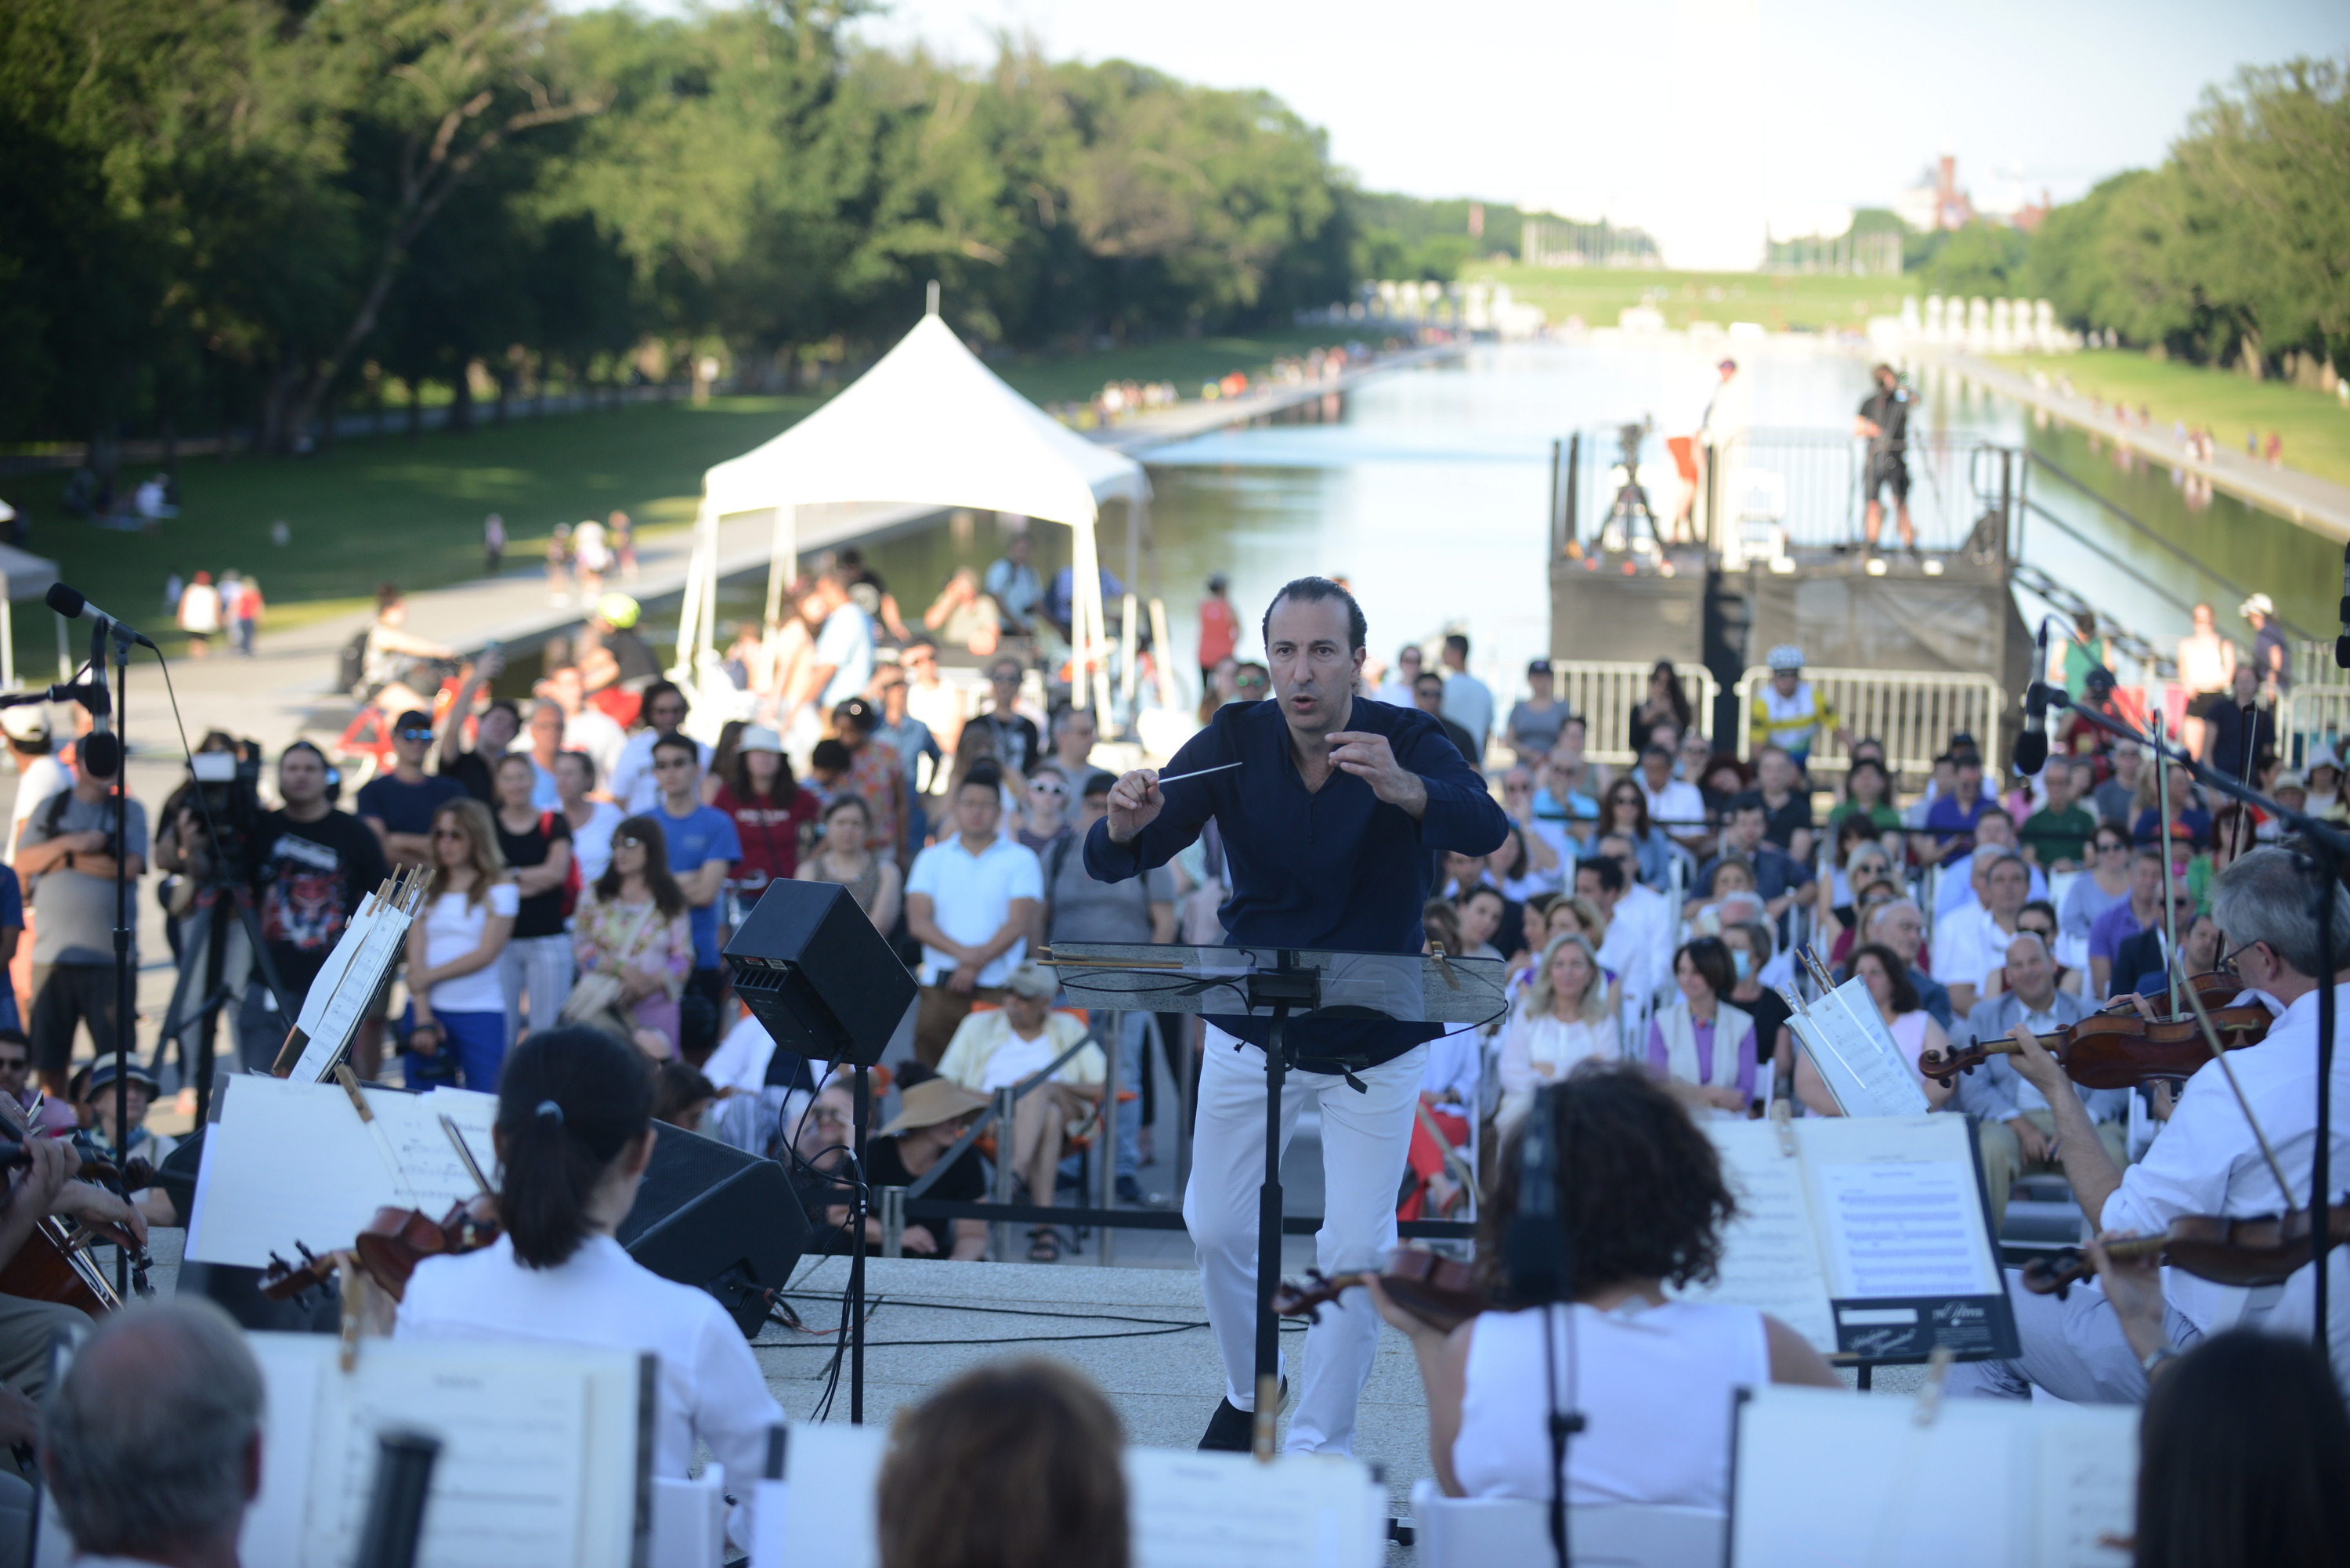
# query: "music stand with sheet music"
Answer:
x=1280 y=985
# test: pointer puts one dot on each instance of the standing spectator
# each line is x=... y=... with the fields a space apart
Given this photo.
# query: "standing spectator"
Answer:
x=874 y=772
x=12 y=933
x=2087 y=649
x=536 y=845
x=1077 y=909
x=2270 y=660
x=918 y=749
x=1789 y=712
x=1044 y=822
x=1220 y=629
x=769 y=809
x=199 y=614
x=840 y=856
x=1427 y=696
x=1666 y=704
x=930 y=699
x=494 y=544
x=1075 y=732
x=2207 y=668
x=559 y=565
x=494 y=732
x=1468 y=702
x=250 y=609
x=400 y=804
x=67 y=856
x=591 y=556
x=1564 y=1019
x=586 y=727
x=2240 y=726
x=634 y=787
x=612 y=652
x=1006 y=1046
x=546 y=732
x=1017 y=745
x=843 y=661
x=702 y=848
x=1535 y=719
x=2055 y=836
x=633 y=925
x=1702 y=1044
x=592 y=822
x=398 y=669
x=39 y=775
x=1014 y=586
x=1397 y=689
x=621 y=530
x=315 y=867
x=230 y=588
x=971 y=902
x=457 y=1021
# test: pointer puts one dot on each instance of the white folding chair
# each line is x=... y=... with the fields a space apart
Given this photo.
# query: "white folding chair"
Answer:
x=689 y=1521
x=1482 y=1532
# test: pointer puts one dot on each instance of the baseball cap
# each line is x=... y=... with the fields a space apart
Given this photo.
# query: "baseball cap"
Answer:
x=1033 y=980
x=759 y=738
x=1538 y=666
x=30 y=723
x=618 y=609
x=857 y=712
x=2259 y=604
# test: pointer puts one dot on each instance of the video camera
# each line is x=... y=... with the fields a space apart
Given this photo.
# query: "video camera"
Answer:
x=228 y=785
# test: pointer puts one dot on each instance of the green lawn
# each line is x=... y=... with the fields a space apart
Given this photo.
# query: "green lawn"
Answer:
x=393 y=509
x=1779 y=301
x=2314 y=426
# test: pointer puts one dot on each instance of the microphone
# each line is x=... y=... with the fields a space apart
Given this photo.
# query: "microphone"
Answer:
x=2031 y=749
x=2342 y=643
x=71 y=604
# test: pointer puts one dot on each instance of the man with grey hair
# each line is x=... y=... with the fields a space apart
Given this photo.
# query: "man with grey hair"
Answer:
x=2017 y=1131
x=1900 y=925
x=152 y=1447
x=2208 y=1160
x=1972 y=942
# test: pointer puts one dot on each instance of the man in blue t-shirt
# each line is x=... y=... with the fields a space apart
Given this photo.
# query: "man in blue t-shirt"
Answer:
x=703 y=848
x=400 y=804
x=1950 y=821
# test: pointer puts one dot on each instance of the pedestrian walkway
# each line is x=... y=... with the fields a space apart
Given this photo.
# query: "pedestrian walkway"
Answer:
x=2318 y=504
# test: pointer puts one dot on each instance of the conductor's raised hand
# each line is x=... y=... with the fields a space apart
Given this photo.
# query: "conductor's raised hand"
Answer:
x=1134 y=805
x=1368 y=757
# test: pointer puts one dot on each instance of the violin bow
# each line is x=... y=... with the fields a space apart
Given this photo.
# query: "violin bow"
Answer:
x=2219 y=1054
x=2170 y=879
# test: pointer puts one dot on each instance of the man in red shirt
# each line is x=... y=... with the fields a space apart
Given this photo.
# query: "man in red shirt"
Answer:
x=1219 y=630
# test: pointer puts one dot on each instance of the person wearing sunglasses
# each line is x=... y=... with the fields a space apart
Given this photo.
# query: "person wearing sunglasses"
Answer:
x=457 y=1017
x=702 y=846
x=400 y=804
x=1017 y=745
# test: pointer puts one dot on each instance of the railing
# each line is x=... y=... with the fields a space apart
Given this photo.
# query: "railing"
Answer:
x=1914 y=714
x=2318 y=706
x=1604 y=693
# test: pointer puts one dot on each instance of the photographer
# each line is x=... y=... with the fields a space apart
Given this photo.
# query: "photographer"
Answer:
x=312 y=865
x=204 y=837
x=67 y=853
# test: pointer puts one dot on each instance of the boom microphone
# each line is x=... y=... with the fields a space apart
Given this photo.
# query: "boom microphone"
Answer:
x=2342 y=643
x=2031 y=749
x=71 y=604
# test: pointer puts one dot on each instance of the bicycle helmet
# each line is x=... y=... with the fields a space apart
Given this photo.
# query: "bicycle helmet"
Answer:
x=1786 y=656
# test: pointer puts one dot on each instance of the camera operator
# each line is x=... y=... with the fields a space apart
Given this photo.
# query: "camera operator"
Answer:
x=312 y=865
x=67 y=853
x=1884 y=423
x=220 y=798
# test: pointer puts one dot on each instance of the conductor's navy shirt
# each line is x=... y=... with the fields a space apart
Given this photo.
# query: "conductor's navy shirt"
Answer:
x=1338 y=869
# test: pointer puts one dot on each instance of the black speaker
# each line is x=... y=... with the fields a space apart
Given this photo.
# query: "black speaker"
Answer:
x=710 y=1215
x=810 y=966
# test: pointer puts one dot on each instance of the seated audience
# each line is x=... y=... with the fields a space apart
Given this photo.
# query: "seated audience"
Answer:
x=1702 y=1044
x=1015 y=1465
x=1913 y=1029
x=681 y=1096
x=1641 y=1199
x=1003 y=1047
x=932 y=1112
x=1566 y=1018
x=573 y=1136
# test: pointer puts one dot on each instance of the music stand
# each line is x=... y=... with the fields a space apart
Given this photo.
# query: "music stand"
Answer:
x=1280 y=984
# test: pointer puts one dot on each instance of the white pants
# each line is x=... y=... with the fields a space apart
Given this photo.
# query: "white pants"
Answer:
x=1365 y=1138
x=541 y=969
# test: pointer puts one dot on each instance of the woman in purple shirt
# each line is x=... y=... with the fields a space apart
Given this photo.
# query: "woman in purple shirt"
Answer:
x=1701 y=1040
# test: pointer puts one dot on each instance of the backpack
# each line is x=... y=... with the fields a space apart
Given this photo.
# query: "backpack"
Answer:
x=350 y=665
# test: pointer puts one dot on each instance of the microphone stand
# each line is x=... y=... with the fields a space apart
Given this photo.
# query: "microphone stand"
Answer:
x=126 y=1014
x=2326 y=848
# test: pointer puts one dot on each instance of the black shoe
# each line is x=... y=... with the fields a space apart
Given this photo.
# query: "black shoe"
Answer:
x=1130 y=1192
x=1232 y=1429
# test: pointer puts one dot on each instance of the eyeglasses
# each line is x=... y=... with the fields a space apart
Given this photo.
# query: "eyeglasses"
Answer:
x=2111 y=848
x=415 y=735
x=826 y=1116
x=1041 y=787
x=1520 y=787
x=1249 y=683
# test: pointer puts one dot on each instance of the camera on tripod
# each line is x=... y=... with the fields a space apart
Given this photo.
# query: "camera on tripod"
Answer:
x=223 y=794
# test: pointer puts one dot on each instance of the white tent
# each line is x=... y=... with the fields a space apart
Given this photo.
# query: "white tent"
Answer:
x=929 y=424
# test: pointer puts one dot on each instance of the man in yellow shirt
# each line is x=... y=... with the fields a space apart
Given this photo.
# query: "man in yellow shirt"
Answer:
x=1008 y=1046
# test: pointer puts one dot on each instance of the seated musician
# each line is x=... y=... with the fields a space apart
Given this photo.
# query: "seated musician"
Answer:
x=1641 y=1204
x=2016 y=1130
x=45 y=1185
x=2209 y=1160
x=574 y=1134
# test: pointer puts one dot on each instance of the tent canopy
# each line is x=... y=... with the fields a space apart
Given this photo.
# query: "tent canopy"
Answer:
x=929 y=423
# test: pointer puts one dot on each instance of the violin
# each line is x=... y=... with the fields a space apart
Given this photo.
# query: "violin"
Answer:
x=54 y=1264
x=1440 y=1292
x=2261 y=1249
x=2119 y=1050
x=389 y=1249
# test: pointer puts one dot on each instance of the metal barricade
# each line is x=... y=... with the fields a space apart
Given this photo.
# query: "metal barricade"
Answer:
x=1915 y=714
x=2318 y=706
x=1604 y=693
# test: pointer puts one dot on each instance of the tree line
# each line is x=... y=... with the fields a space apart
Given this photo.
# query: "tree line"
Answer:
x=244 y=214
x=2234 y=252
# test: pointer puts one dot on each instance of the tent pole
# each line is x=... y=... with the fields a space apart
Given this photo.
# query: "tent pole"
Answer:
x=1129 y=624
x=1085 y=583
x=1101 y=644
x=1163 y=660
x=777 y=575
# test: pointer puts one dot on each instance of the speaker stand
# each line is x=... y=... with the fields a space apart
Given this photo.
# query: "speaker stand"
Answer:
x=857 y=1257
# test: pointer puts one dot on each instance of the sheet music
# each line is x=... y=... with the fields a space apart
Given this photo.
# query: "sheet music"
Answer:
x=1853 y=1051
x=1897 y=1201
x=540 y=1450
x=2088 y=1484
x=1770 y=1251
x=338 y=962
x=287 y=1161
x=1189 y=1510
x=347 y=1001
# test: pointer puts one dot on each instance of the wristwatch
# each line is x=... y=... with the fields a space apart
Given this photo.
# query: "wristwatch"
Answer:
x=2157 y=1357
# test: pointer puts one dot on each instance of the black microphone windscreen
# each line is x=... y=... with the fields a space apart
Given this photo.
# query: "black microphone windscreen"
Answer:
x=66 y=601
x=2030 y=751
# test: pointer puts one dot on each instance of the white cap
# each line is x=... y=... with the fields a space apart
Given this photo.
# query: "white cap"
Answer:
x=2322 y=755
x=2259 y=604
x=29 y=724
x=758 y=738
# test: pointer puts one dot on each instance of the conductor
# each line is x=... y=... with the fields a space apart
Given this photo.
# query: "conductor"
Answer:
x=1333 y=824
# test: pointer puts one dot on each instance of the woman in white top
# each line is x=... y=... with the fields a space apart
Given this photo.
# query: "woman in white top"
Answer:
x=1913 y=1029
x=458 y=1030
x=1641 y=1197
x=1565 y=1020
x=573 y=1136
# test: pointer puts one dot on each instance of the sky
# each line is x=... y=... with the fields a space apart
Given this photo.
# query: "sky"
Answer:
x=1701 y=120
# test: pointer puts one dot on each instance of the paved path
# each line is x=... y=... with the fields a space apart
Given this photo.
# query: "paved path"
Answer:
x=2318 y=504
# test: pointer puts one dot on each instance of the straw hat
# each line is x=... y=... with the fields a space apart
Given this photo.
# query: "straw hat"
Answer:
x=930 y=1102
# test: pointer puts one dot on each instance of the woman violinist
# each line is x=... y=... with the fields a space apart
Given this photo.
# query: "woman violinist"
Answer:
x=573 y=1136
x=1640 y=1198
